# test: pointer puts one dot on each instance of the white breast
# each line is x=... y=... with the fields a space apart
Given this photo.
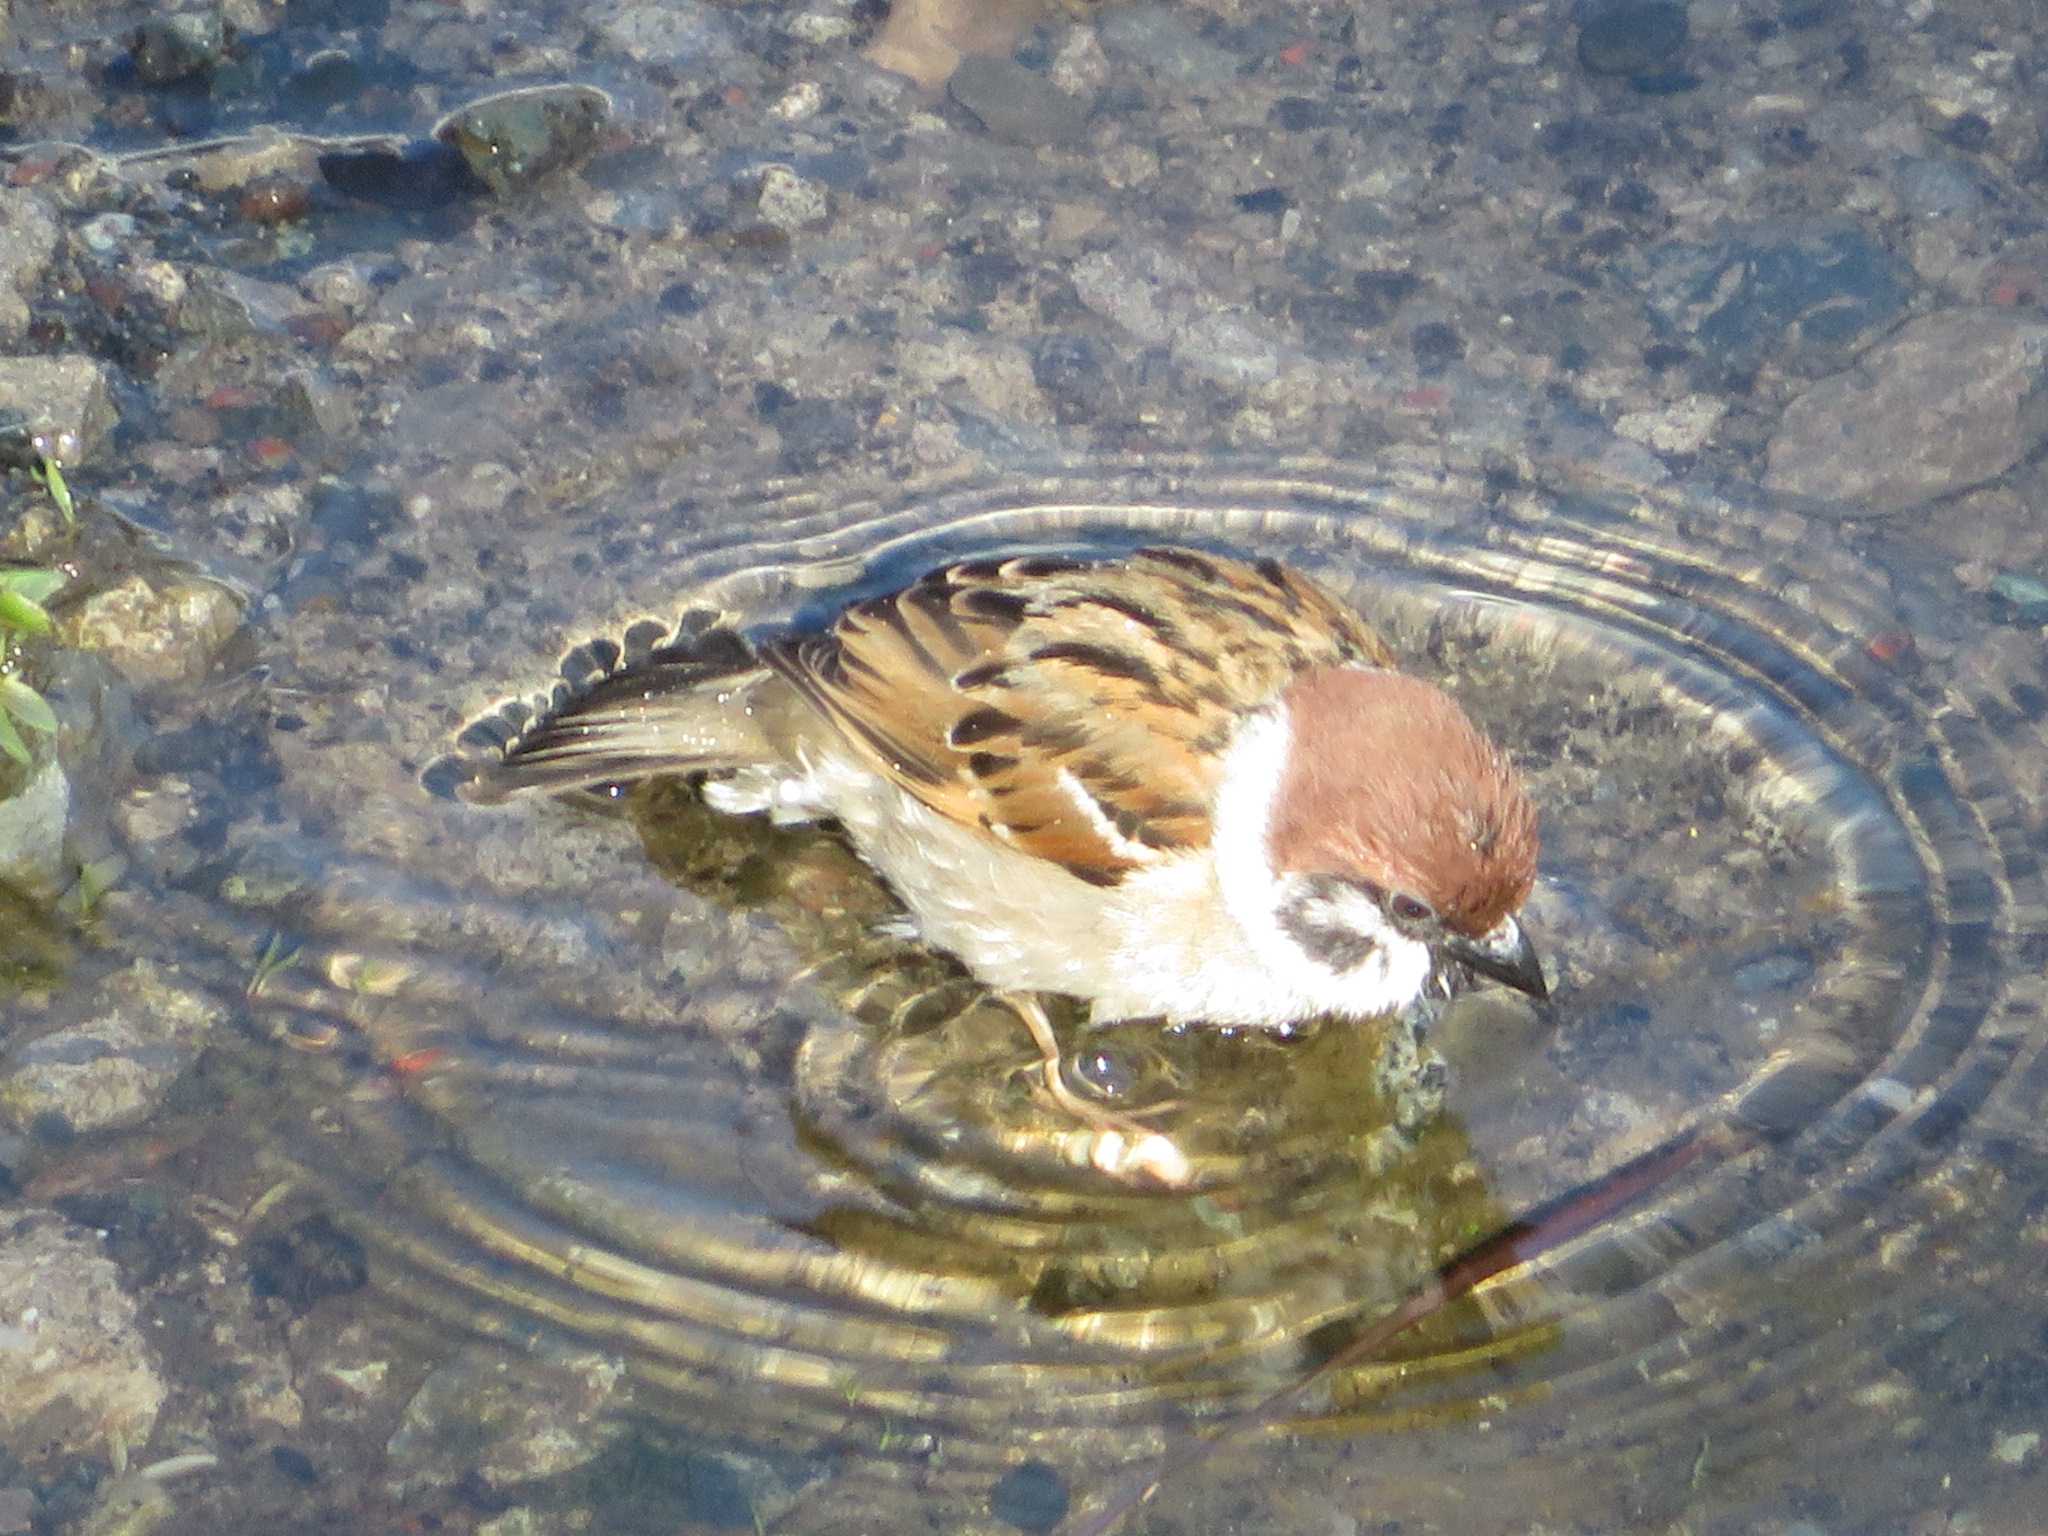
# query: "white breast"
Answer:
x=1207 y=931
x=1190 y=937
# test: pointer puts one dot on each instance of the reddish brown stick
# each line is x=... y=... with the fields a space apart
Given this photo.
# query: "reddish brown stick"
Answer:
x=1537 y=1231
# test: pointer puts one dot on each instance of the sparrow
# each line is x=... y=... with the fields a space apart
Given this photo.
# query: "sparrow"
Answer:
x=1174 y=785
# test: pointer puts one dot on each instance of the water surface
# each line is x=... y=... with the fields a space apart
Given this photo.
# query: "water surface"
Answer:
x=617 y=1162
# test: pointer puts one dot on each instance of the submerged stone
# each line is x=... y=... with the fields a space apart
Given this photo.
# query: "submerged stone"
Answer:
x=513 y=141
x=75 y=1369
x=1802 y=296
x=168 y=49
x=1632 y=37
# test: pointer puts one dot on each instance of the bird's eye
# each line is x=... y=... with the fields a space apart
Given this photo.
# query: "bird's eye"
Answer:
x=1411 y=909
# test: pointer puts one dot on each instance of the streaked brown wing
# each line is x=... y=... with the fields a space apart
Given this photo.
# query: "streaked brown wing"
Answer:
x=1074 y=708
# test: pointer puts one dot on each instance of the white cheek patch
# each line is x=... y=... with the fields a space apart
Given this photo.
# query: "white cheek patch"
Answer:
x=1358 y=912
x=1335 y=925
x=1385 y=970
x=1360 y=909
x=1356 y=965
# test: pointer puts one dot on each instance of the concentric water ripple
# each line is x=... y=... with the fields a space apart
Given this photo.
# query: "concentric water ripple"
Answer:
x=790 y=1169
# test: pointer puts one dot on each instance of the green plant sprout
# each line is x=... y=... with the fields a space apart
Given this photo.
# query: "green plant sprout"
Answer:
x=22 y=593
x=278 y=955
x=95 y=878
x=49 y=474
x=42 y=454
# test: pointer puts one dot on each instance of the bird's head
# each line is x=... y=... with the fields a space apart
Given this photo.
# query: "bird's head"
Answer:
x=1398 y=842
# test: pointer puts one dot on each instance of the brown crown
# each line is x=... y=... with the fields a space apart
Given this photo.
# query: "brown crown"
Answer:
x=1390 y=782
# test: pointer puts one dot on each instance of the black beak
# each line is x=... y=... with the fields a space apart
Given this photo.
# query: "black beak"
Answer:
x=1504 y=955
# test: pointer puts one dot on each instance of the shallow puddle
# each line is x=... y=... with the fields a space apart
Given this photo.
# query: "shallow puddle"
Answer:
x=608 y=1164
x=789 y=1169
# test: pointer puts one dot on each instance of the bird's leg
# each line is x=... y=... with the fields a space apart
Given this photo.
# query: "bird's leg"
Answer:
x=1120 y=1146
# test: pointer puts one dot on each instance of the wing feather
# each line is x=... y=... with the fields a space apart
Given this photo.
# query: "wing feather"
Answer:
x=1073 y=708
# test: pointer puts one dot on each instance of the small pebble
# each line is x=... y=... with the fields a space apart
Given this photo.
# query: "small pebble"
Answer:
x=2016 y=1449
x=1772 y=973
x=790 y=202
x=1436 y=346
x=108 y=234
x=1018 y=105
x=802 y=100
x=167 y=49
x=2024 y=599
x=1032 y=1497
x=1632 y=37
x=514 y=140
x=1160 y=40
x=275 y=200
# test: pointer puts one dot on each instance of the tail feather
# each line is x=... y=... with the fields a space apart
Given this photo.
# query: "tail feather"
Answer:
x=660 y=701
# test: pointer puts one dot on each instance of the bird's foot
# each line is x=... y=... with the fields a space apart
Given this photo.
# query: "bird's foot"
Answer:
x=1118 y=1145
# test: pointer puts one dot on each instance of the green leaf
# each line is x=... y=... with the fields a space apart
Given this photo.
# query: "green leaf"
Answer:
x=99 y=876
x=95 y=879
x=10 y=740
x=50 y=476
x=26 y=705
x=31 y=583
x=59 y=491
x=17 y=612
